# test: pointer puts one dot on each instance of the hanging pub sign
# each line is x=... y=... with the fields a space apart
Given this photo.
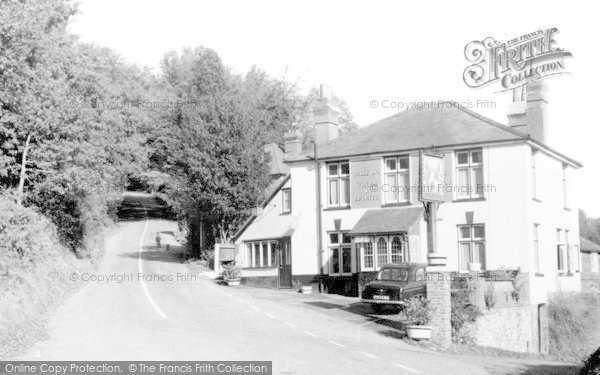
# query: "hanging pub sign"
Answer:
x=431 y=177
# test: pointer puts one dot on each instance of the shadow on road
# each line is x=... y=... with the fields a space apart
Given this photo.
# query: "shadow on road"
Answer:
x=153 y=254
x=534 y=369
x=137 y=206
x=389 y=318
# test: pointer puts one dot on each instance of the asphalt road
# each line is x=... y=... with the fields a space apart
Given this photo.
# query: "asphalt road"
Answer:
x=171 y=314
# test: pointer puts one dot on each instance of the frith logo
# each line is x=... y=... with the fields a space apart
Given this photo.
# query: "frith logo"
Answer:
x=512 y=63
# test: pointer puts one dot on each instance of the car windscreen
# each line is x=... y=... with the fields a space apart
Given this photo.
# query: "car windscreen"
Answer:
x=393 y=274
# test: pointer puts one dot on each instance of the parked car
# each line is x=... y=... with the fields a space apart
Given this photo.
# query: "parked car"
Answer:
x=395 y=285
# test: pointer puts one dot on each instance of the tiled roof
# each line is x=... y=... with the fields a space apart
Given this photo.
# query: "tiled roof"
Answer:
x=388 y=220
x=589 y=246
x=441 y=125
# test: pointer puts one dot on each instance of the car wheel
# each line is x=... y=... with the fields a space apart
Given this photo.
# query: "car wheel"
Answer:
x=398 y=309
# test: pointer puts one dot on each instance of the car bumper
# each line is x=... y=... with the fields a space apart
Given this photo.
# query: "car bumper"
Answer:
x=382 y=302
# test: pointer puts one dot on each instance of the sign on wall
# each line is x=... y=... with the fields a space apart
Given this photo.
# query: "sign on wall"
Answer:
x=431 y=178
x=365 y=179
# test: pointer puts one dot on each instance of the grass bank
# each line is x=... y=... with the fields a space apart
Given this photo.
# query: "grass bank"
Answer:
x=34 y=274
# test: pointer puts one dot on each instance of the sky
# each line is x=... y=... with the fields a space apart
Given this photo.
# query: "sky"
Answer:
x=379 y=52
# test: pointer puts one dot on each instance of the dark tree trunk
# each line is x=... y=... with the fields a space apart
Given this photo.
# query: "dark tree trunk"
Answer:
x=23 y=174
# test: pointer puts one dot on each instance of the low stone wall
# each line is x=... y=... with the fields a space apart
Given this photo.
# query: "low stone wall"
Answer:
x=260 y=281
x=514 y=328
x=508 y=320
x=590 y=282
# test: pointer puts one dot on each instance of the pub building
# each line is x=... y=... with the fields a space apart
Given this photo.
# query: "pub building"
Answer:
x=349 y=204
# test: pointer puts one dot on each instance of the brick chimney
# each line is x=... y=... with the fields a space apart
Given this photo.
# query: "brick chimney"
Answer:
x=292 y=143
x=527 y=112
x=326 y=118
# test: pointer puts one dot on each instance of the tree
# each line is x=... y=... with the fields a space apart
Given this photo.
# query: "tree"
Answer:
x=304 y=118
x=589 y=227
x=31 y=36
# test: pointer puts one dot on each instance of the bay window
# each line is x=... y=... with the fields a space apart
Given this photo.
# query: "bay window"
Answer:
x=261 y=253
x=338 y=184
x=377 y=251
x=469 y=174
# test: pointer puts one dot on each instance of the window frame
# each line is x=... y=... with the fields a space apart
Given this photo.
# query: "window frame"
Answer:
x=470 y=167
x=339 y=178
x=560 y=252
x=362 y=246
x=403 y=251
x=340 y=246
x=261 y=262
x=536 y=249
x=396 y=173
x=534 y=194
x=564 y=186
x=284 y=209
x=472 y=240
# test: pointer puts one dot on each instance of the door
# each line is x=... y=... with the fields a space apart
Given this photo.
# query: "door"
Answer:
x=285 y=264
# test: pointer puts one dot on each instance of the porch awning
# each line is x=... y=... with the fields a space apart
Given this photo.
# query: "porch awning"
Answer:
x=270 y=227
x=388 y=220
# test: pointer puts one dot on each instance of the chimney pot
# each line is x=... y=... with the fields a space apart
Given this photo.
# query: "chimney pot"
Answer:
x=293 y=143
x=527 y=111
x=326 y=117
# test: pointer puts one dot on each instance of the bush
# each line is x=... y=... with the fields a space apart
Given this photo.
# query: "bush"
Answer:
x=574 y=325
x=418 y=311
x=34 y=269
x=592 y=365
x=463 y=312
x=232 y=271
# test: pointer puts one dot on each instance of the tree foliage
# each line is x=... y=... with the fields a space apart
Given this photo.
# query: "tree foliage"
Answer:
x=77 y=123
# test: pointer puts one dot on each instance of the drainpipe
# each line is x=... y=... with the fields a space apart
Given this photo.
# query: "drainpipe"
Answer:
x=319 y=219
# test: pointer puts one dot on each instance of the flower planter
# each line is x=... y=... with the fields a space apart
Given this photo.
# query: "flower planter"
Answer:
x=474 y=267
x=233 y=282
x=307 y=289
x=418 y=332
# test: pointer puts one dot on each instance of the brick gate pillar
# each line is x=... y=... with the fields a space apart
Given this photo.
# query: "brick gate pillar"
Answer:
x=438 y=293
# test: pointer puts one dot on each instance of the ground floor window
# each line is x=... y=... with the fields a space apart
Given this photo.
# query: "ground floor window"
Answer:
x=561 y=250
x=340 y=253
x=261 y=253
x=377 y=251
x=471 y=246
x=594 y=263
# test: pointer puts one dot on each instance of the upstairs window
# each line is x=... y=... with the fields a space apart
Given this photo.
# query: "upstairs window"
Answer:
x=286 y=204
x=338 y=184
x=564 y=186
x=536 y=248
x=533 y=176
x=469 y=174
x=397 y=180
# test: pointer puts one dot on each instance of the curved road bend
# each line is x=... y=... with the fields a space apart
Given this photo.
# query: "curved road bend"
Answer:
x=198 y=320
